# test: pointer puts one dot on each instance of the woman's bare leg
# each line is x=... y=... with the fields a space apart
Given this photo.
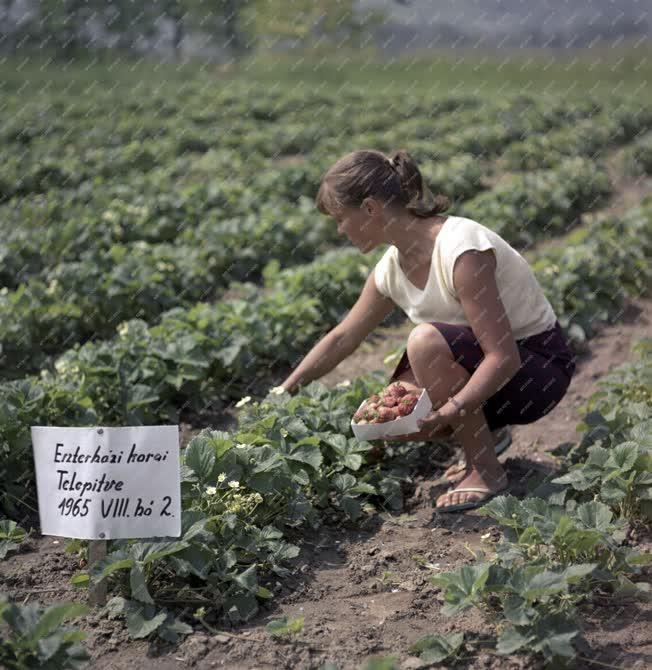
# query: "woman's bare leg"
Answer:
x=435 y=369
x=458 y=471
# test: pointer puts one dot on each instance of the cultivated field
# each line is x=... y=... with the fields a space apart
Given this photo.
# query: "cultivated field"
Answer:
x=162 y=261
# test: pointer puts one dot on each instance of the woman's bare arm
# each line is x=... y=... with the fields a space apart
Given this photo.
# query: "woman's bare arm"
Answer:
x=369 y=310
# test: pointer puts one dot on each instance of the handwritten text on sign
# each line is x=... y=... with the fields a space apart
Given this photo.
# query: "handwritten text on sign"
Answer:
x=107 y=483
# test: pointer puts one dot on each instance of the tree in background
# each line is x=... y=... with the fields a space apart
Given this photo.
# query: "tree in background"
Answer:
x=70 y=27
x=242 y=25
x=308 y=22
x=60 y=25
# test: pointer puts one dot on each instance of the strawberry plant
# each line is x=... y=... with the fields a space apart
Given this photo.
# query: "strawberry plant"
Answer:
x=536 y=532
x=620 y=476
x=11 y=535
x=555 y=555
x=537 y=602
x=288 y=464
x=37 y=639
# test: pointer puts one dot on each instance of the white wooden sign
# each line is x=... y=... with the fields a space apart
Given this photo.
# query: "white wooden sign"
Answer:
x=107 y=483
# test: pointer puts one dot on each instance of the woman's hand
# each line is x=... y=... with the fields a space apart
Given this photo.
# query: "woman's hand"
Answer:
x=438 y=423
x=279 y=390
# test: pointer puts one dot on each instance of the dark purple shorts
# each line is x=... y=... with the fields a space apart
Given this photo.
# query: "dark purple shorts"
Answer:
x=547 y=365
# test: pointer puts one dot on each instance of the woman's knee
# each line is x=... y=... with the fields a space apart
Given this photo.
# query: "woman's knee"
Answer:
x=425 y=342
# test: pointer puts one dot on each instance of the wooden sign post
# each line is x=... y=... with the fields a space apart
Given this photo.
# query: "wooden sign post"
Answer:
x=96 y=553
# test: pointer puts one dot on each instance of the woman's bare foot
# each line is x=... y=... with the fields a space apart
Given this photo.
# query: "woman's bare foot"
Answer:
x=456 y=472
x=459 y=470
x=494 y=481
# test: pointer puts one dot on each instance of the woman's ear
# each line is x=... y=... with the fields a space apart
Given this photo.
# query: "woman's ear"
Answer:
x=370 y=206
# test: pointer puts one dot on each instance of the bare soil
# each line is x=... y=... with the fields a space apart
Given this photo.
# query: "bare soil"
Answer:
x=361 y=591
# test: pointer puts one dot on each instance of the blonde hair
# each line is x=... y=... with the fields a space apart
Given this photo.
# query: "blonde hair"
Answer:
x=394 y=180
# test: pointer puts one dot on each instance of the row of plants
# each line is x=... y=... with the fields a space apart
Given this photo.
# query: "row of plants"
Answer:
x=56 y=161
x=270 y=127
x=73 y=301
x=194 y=357
x=76 y=300
x=162 y=205
x=588 y=278
x=568 y=547
x=525 y=208
x=588 y=137
x=244 y=494
x=638 y=157
x=156 y=205
x=482 y=131
x=31 y=123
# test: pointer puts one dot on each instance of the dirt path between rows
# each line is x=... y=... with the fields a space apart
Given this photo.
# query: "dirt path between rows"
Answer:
x=361 y=591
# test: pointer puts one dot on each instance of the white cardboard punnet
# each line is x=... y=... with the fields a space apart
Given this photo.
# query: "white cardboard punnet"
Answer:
x=400 y=426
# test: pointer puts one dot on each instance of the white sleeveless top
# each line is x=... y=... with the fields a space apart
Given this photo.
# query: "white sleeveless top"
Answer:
x=527 y=308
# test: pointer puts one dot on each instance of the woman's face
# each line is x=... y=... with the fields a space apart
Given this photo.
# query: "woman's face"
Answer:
x=362 y=225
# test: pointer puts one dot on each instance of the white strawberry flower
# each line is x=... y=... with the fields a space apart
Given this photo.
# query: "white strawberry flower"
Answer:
x=277 y=390
x=211 y=490
x=234 y=484
x=109 y=216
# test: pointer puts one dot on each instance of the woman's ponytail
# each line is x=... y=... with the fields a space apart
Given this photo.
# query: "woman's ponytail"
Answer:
x=420 y=200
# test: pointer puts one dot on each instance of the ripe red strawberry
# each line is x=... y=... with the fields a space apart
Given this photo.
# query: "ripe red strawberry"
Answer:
x=358 y=416
x=406 y=406
x=391 y=401
x=393 y=412
x=385 y=414
x=399 y=390
x=374 y=398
